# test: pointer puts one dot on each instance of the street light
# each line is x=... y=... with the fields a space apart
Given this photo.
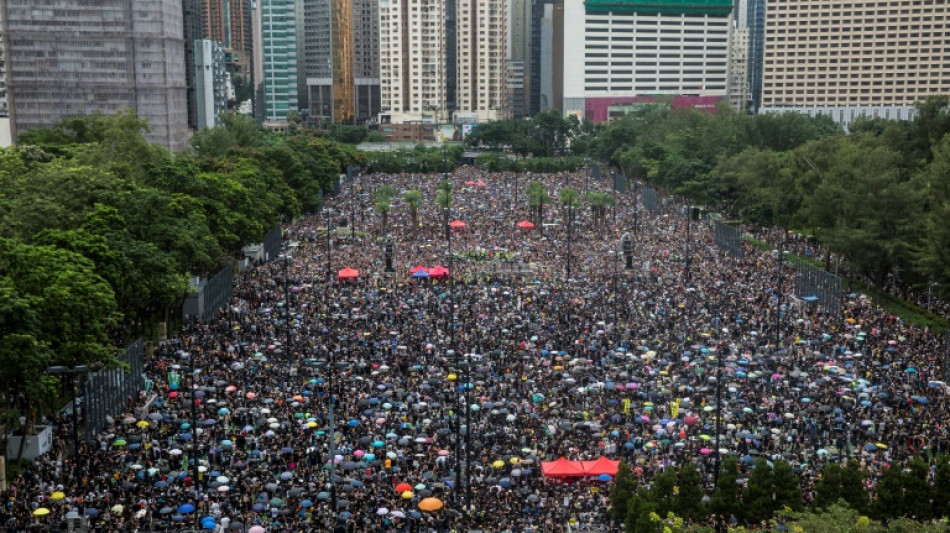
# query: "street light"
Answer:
x=74 y=373
x=689 y=216
x=186 y=358
x=779 y=258
x=288 y=316
x=329 y=216
x=331 y=367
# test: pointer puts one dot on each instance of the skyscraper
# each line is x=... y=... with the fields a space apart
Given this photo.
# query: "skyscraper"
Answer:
x=413 y=55
x=214 y=20
x=104 y=56
x=739 y=70
x=861 y=58
x=519 y=54
x=340 y=68
x=481 y=33
x=755 y=19
x=279 y=50
x=541 y=13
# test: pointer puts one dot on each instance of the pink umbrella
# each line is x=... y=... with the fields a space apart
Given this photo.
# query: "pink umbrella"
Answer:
x=359 y=453
x=705 y=451
x=250 y=396
x=230 y=388
x=645 y=418
x=443 y=453
x=256 y=529
x=691 y=420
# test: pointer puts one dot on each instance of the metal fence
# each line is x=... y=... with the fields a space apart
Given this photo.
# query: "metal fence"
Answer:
x=620 y=182
x=207 y=296
x=108 y=392
x=817 y=286
x=729 y=239
x=595 y=172
x=650 y=200
x=272 y=243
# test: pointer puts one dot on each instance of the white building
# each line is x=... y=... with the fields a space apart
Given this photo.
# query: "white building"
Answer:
x=739 y=97
x=412 y=56
x=615 y=50
x=211 y=82
x=481 y=29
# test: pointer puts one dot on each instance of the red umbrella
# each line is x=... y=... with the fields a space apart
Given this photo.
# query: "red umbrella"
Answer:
x=349 y=273
x=403 y=487
x=524 y=224
x=456 y=224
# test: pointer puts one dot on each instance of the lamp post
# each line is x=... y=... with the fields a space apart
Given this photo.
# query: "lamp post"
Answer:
x=288 y=316
x=188 y=364
x=689 y=216
x=719 y=350
x=779 y=253
x=570 y=237
x=329 y=217
x=614 y=260
x=74 y=374
x=332 y=365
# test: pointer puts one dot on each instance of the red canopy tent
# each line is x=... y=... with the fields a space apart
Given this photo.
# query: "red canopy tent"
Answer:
x=470 y=183
x=438 y=271
x=348 y=273
x=417 y=268
x=456 y=224
x=524 y=224
x=480 y=183
x=600 y=466
x=561 y=468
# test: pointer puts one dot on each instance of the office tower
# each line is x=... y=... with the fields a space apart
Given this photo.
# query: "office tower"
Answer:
x=755 y=19
x=540 y=47
x=451 y=55
x=860 y=58
x=340 y=68
x=481 y=28
x=279 y=49
x=544 y=79
x=519 y=58
x=105 y=56
x=257 y=61
x=211 y=83
x=412 y=57
x=516 y=89
x=193 y=30
x=739 y=70
x=637 y=48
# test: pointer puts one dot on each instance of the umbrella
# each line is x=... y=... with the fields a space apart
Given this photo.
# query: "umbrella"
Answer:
x=430 y=504
x=42 y=511
x=403 y=487
x=256 y=529
x=306 y=503
x=186 y=508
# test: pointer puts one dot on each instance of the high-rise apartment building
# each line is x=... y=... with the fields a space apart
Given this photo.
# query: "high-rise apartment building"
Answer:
x=214 y=16
x=413 y=56
x=739 y=70
x=239 y=46
x=864 y=57
x=519 y=53
x=340 y=68
x=481 y=36
x=279 y=51
x=630 y=48
x=516 y=89
x=211 y=82
x=72 y=58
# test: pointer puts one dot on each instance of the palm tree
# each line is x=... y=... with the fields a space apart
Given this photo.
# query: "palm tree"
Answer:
x=570 y=200
x=413 y=199
x=537 y=199
x=444 y=200
x=597 y=200
x=383 y=198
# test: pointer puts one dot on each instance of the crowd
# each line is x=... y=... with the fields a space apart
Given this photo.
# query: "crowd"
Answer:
x=611 y=362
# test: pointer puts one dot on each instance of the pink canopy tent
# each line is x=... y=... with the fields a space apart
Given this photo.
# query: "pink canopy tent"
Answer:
x=438 y=271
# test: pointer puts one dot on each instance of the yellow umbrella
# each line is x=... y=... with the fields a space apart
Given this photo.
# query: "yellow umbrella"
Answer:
x=311 y=424
x=452 y=377
x=142 y=424
x=42 y=511
x=57 y=496
x=407 y=495
x=498 y=464
x=514 y=460
x=430 y=504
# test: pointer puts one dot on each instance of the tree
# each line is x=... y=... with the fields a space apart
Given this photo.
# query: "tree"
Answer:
x=890 y=495
x=917 y=494
x=758 y=501
x=725 y=501
x=383 y=199
x=690 y=496
x=413 y=200
x=622 y=490
x=786 y=487
x=641 y=514
x=662 y=492
x=538 y=198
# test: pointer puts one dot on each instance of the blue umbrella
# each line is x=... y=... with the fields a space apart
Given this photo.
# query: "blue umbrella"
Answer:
x=421 y=274
x=185 y=436
x=91 y=512
x=353 y=423
x=161 y=484
x=178 y=518
x=306 y=503
x=186 y=508
x=870 y=447
x=258 y=507
x=604 y=477
x=346 y=515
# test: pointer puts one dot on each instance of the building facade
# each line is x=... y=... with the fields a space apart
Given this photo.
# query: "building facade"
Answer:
x=516 y=89
x=538 y=69
x=481 y=33
x=413 y=56
x=739 y=70
x=631 y=48
x=211 y=82
x=755 y=22
x=279 y=61
x=73 y=58
x=340 y=74
x=871 y=57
